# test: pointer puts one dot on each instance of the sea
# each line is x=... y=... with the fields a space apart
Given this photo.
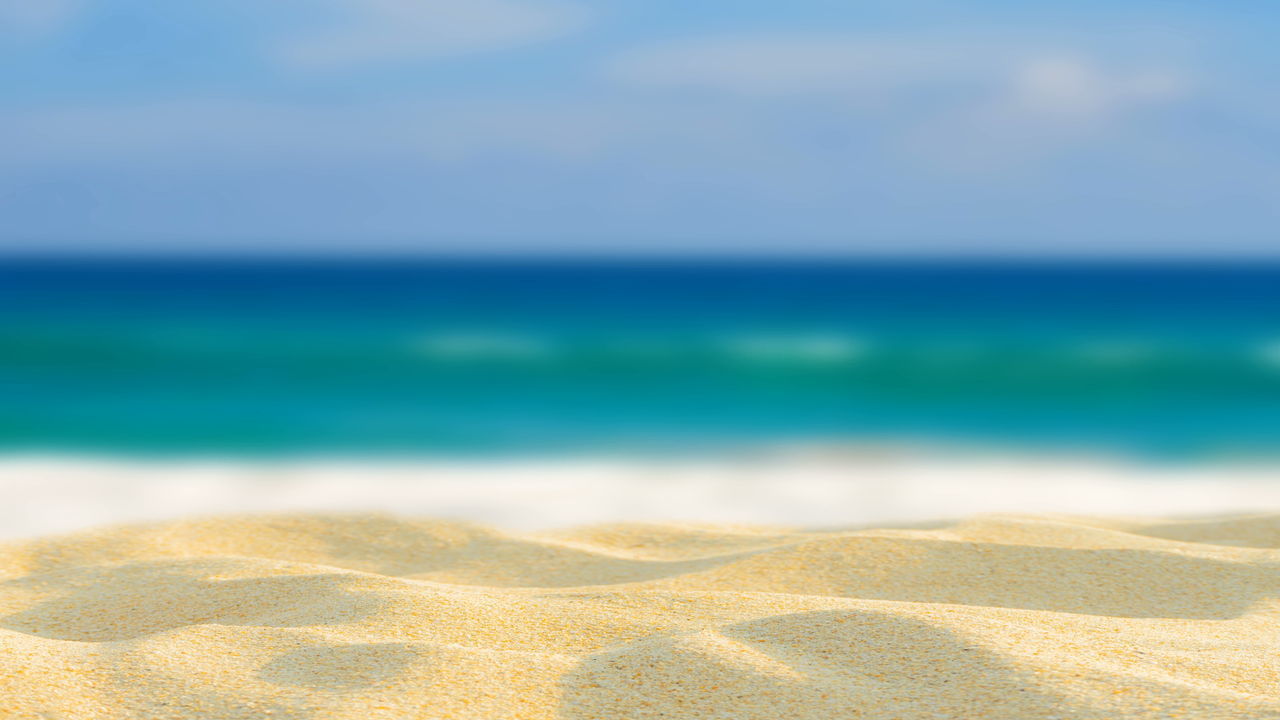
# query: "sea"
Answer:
x=531 y=357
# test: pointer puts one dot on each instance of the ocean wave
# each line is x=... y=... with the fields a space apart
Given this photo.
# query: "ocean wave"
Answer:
x=833 y=350
x=931 y=363
x=1269 y=355
x=476 y=346
x=749 y=349
x=746 y=351
x=820 y=349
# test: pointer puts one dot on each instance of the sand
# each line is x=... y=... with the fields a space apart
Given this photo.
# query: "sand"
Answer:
x=366 y=617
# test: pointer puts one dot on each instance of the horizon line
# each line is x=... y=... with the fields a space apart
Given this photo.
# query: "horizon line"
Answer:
x=660 y=256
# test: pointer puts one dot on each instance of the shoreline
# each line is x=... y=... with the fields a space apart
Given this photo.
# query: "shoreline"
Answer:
x=843 y=488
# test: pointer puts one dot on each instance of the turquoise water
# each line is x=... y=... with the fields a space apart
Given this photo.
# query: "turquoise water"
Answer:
x=241 y=357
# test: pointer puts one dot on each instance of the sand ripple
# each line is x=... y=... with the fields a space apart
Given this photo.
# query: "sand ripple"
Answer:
x=333 y=617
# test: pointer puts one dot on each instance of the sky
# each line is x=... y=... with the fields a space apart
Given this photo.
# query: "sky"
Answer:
x=719 y=126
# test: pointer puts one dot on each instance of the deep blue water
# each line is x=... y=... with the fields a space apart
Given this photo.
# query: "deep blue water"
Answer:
x=456 y=356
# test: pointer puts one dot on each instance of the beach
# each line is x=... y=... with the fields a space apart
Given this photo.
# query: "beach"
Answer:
x=630 y=491
x=560 y=360
x=375 y=616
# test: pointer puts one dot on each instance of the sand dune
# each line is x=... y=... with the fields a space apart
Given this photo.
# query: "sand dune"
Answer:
x=373 y=617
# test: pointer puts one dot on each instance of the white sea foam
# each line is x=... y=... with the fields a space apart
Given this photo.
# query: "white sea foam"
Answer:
x=480 y=346
x=1269 y=354
x=813 y=348
x=57 y=494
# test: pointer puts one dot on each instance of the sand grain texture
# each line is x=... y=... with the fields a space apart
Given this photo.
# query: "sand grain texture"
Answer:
x=328 y=617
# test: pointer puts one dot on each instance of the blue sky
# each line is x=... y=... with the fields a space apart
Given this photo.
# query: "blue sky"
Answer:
x=898 y=126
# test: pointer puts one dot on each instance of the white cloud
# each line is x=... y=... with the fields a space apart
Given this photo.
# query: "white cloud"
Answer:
x=216 y=132
x=397 y=30
x=1076 y=88
x=952 y=102
x=36 y=17
x=943 y=68
x=1042 y=106
x=779 y=65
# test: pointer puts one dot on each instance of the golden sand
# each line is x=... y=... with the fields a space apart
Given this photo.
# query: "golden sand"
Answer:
x=367 y=617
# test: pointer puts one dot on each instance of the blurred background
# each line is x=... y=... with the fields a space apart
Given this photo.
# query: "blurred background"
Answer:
x=540 y=262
